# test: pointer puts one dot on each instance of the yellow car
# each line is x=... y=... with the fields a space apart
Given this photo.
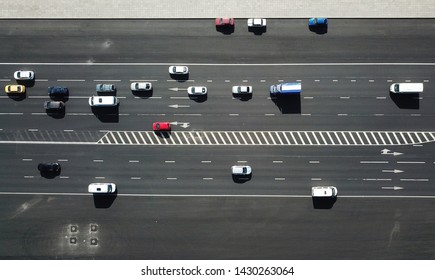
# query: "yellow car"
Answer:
x=15 y=89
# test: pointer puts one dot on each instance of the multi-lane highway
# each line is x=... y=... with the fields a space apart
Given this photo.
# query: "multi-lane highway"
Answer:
x=176 y=197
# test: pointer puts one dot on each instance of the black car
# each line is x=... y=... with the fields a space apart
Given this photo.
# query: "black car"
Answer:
x=55 y=91
x=49 y=167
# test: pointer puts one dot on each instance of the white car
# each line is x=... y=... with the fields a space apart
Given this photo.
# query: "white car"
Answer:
x=198 y=90
x=24 y=75
x=142 y=86
x=241 y=170
x=242 y=89
x=257 y=22
x=102 y=188
x=178 y=70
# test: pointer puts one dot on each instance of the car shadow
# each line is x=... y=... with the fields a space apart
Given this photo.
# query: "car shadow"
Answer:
x=112 y=93
x=225 y=29
x=17 y=96
x=321 y=29
x=26 y=83
x=163 y=134
x=104 y=200
x=323 y=202
x=290 y=104
x=49 y=175
x=180 y=77
x=107 y=114
x=406 y=101
x=199 y=98
x=258 y=30
x=241 y=179
x=56 y=114
x=144 y=94
x=243 y=96
x=63 y=97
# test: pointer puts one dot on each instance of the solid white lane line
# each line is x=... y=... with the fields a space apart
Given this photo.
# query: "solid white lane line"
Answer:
x=225 y=195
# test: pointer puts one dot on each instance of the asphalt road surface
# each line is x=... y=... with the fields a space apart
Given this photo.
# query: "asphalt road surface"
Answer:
x=176 y=197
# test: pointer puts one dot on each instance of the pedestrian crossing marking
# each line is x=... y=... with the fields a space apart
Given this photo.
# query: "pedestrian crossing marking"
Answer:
x=267 y=138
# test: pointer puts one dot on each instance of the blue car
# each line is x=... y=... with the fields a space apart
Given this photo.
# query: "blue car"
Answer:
x=57 y=91
x=317 y=22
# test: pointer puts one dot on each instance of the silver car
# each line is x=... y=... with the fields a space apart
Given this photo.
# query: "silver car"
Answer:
x=197 y=90
x=178 y=70
x=142 y=86
x=105 y=88
x=54 y=105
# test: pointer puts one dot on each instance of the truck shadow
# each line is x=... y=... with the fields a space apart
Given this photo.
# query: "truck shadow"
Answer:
x=406 y=101
x=104 y=200
x=288 y=104
x=324 y=202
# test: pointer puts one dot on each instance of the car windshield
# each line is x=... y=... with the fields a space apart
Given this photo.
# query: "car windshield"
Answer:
x=244 y=169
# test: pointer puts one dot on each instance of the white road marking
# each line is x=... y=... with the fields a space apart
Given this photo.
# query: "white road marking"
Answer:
x=98 y=160
x=375 y=162
x=277 y=161
x=412 y=162
x=133 y=161
x=135 y=178
x=27 y=159
x=280 y=196
x=169 y=161
x=316 y=179
x=415 y=180
x=70 y=80
x=280 y=179
x=314 y=161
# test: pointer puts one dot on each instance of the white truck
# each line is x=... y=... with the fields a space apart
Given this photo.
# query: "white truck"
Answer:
x=406 y=88
x=256 y=22
x=324 y=191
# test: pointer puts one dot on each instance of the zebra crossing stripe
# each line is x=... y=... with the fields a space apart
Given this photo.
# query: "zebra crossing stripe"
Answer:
x=279 y=138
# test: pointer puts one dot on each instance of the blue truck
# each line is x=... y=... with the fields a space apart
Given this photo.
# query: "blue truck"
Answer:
x=286 y=89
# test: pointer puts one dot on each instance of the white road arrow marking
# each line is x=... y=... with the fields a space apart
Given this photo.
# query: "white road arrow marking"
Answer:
x=177 y=89
x=182 y=124
x=176 y=106
x=393 y=171
x=388 y=152
x=394 y=188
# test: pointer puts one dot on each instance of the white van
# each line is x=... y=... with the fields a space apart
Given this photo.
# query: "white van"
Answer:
x=406 y=88
x=103 y=101
x=102 y=188
x=326 y=191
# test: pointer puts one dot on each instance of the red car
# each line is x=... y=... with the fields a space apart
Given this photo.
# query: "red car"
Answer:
x=161 y=126
x=224 y=21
